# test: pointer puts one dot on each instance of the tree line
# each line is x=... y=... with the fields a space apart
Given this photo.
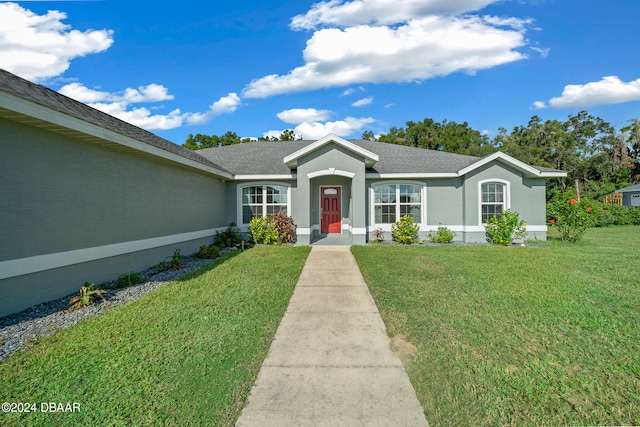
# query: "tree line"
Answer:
x=598 y=158
x=200 y=141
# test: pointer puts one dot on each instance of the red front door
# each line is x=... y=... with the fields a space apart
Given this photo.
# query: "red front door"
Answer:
x=331 y=216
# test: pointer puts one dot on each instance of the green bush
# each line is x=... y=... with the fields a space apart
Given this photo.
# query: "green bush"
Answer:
x=128 y=279
x=442 y=235
x=573 y=217
x=228 y=238
x=506 y=227
x=619 y=215
x=405 y=231
x=208 y=252
x=262 y=230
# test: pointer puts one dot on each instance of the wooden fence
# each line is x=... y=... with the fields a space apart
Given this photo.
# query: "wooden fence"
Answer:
x=613 y=199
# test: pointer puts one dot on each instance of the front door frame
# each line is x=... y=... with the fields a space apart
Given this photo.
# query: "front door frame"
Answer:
x=320 y=205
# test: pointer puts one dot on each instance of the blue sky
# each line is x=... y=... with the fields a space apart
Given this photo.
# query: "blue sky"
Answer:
x=339 y=66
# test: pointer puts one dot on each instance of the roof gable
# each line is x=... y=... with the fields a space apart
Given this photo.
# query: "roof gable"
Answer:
x=370 y=158
x=527 y=170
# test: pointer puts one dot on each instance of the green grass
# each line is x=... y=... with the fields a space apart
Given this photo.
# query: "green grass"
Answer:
x=186 y=354
x=539 y=335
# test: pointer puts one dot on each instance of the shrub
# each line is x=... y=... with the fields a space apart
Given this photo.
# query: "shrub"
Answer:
x=573 y=217
x=208 y=252
x=176 y=261
x=128 y=279
x=618 y=215
x=262 y=230
x=285 y=227
x=228 y=237
x=405 y=231
x=504 y=228
x=442 y=235
x=378 y=234
x=86 y=297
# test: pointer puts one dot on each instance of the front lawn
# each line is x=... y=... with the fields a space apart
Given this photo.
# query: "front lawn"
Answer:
x=540 y=335
x=186 y=354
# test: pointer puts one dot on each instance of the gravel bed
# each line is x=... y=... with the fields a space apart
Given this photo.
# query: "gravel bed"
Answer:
x=19 y=329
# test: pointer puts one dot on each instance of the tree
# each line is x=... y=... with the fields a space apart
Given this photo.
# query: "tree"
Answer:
x=583 y=145
x=289 y=135
x=368 y=135
x=631 y=135
x=447 y=136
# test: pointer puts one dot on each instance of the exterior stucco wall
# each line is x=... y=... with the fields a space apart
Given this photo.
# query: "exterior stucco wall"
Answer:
x=527 y=196
x=454 y=202
x=63 y=196
x=306 y=196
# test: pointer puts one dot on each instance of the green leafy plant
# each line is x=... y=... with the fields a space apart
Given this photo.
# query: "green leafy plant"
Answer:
x=618 y=215
x=506 y=227
x=405 y=231
x=573 y=216
x=228 y=238
x=128 y=279
x=378 y=234
x=442 y=235
x=208 y=252
x=176 y=261
x=87 y=296
x=262 y=230
x=285 y=228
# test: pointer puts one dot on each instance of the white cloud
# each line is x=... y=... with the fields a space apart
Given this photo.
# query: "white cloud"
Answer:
x=226 y=104
x=609 y=90
x=343 y=128
x=352 y=90
x=380 y=12
x=301 y=115
x=150 y=93
x=118 y=104
x=312 y=123
x=539 y=104
x=421 y=49
x=41 y=46
x=544 y=52
x=362 y=102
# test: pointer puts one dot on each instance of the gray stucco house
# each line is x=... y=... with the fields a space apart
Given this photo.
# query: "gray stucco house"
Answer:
x=630 y=195
x=87 y=197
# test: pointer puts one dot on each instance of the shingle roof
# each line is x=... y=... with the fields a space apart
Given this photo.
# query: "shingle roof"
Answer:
x=266 y=158
x=46 y=97
x=635 y=187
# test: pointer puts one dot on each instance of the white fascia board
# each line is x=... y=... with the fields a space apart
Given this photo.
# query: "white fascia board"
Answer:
x=48 y=115
x=559 y=174
x=505 y=158
x=263 y=177
x=292 y=159
x=413 y=175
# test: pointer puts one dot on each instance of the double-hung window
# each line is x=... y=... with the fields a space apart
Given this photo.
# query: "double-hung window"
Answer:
x=392 y=201
x=493 y=200
x=263 y=200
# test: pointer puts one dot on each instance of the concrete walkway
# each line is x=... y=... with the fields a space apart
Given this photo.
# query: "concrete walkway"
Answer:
x=330 y=363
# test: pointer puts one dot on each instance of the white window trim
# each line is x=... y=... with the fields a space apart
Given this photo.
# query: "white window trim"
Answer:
x=264 y=198
x=507 y=195
x=372 y=204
